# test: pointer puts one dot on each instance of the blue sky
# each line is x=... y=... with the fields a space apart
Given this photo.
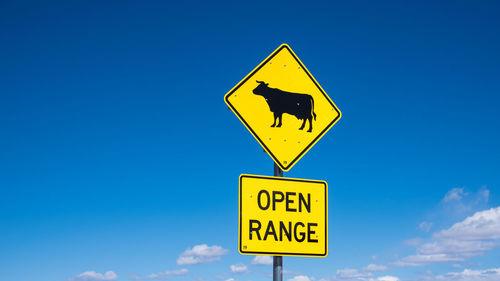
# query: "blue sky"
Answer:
x=119 y=159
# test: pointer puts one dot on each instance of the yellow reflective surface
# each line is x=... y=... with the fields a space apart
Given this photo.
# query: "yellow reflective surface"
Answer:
x=282 y=216
x=283 y=70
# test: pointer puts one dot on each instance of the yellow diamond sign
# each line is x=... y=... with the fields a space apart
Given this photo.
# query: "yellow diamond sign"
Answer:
x=283 y=106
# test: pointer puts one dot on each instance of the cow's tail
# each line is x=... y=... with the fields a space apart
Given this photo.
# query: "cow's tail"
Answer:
x=312 y=108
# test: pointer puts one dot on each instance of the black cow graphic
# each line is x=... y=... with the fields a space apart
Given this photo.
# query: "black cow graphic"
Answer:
x=279 y=101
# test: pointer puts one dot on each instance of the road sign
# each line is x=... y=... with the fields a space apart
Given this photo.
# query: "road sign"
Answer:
x=282 y=216
x=283 y=107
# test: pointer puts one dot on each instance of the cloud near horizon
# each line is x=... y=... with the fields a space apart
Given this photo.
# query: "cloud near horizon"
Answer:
x=95 y=276
x=262 y=260
x=388 y=278
x=162 y=275
x=468 y=238
x=239 y=268
x=350 y=273
x=201 y=254
x=357 y=275
x=301 y=278
x=492 y=274
x=480 y=226
x=375 y=267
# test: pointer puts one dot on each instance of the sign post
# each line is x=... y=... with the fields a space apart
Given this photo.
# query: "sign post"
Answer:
x=287 y=111
x=277 y=260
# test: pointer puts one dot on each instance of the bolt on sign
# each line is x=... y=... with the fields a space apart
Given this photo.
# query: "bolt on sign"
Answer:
x=282 y=216
x=283 y=106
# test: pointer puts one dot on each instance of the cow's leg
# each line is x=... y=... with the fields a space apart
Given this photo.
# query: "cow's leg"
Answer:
x=303 y=124
x=275 y=116
x=310 y=123
x=280 y=118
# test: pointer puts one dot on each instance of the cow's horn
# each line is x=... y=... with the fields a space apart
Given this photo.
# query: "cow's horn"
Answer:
x=261 y=82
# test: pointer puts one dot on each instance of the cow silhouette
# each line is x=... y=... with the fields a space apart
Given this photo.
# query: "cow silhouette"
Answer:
x=279 y=101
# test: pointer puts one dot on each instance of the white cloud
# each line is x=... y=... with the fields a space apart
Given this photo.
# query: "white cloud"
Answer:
x=262 y=260
x=352 y=273
x=375 y=267
x=457 y=202
x=419 y=260
x=201 y=254
x=481 y=225
x=388 y=278
x=290 y=272
x=454 y=194
x=301 y=278
x=162 y=275
x=413 y=241
x=468 y=238
x=239 y=268
x=426 y=272
x=425 y=226
x=492 y=274
x=95 y=276
x=349 y=274
x=456 y=247
x=230 y=279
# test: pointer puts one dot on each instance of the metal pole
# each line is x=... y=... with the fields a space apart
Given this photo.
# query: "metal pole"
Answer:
x=277 y=171
x=277 y=268
x=277 y=260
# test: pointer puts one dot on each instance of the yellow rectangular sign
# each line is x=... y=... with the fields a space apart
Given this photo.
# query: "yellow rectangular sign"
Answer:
x=283 y=216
